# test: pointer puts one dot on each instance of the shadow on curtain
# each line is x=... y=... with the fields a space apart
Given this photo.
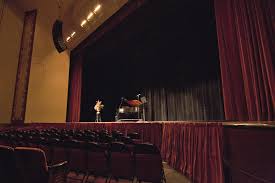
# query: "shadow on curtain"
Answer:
x=202 y=101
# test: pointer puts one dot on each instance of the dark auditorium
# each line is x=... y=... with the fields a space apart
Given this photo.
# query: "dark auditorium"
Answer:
x=137 y=91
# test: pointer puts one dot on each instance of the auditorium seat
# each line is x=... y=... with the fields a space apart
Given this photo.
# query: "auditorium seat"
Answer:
x=127 y=140
x=7 y=165
x=33 y=167
x=105 y=138
x=77 y=156
x=148 y=163
x=97 y=161
x=46 y=147
x=59 y=151
x=134 y=135
x=77 y=160
x=4 y=139
x=121 y=161
x=117 y=135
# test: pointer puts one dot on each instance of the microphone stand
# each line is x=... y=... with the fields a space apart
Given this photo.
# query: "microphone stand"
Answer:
x=139 y=116
x=121 y=101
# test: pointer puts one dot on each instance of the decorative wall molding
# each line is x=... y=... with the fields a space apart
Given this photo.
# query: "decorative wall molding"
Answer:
x=23 y=70
x=2 y=8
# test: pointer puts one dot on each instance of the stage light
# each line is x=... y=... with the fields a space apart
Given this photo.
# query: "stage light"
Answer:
x=97 y=8
x=90 y=16
x=83 y=23
x=72 y=35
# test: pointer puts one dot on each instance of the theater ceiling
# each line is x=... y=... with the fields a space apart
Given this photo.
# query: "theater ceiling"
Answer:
x=80 y=18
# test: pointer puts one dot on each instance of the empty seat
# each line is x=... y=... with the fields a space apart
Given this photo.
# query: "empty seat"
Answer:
x=117 y=135
x=46 y=147
x=134 y=135
x=97 y=159
x=7 y=165
x=33 y=167
x=148 y=163
x=59 y=151
x=121 y=161
x=77 y=156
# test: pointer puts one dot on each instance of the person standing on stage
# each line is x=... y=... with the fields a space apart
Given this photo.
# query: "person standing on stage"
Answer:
x=98 y=107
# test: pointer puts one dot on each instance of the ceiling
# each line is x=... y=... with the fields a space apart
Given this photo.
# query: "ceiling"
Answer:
x=72 y=13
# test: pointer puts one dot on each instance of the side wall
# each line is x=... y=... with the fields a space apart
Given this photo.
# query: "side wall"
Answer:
x=48 y=85
x=11 y=26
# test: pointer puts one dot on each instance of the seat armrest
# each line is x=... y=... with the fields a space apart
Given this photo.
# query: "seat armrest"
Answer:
x=58 y=172
x=59 y=165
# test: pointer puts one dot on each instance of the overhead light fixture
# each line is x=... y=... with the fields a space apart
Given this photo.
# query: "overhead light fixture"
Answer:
x=83 y=23
x=70 y=37
x=90 y=15
x=97 y=8
x=73 y=33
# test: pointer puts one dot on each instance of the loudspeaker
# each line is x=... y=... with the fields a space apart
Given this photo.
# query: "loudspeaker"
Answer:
x=59 y=43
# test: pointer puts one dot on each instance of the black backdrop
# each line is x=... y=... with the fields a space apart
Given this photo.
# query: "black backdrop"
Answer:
x=164 y=44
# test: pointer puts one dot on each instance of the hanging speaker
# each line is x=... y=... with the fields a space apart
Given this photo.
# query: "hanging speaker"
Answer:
x=57 y=36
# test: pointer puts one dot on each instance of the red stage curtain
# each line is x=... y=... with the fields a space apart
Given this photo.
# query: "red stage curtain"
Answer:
x=74 y=95
x=246 y=47
x=195 y=149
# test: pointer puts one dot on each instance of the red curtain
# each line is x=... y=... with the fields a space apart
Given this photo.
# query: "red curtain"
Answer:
x=246 y=48
x=74 y=95
x=195 y=149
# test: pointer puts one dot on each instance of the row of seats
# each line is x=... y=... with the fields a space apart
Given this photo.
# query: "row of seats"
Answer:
x=118 y=162
x=63 y=134
x=114 y=159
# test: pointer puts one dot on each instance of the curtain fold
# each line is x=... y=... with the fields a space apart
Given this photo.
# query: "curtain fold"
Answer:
x=75 y=86
x=246 y=48
x=202 y=101
x=194 y=149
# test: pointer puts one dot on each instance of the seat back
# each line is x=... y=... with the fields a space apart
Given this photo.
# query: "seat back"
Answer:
x=121 y=161
x=4 y=139
x=97 y=159
x=134 y=135
x=77 y=156
x=31 y=164
x=59 y=151
x=7 y=165
x=146 y=148
x=148 y=163
x=127 y=140
x=117 y=135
